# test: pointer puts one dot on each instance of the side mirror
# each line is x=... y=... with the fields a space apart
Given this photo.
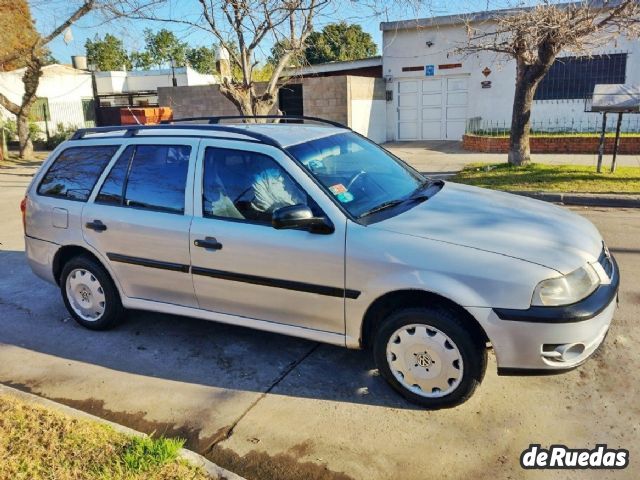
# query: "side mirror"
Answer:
x=301 y=217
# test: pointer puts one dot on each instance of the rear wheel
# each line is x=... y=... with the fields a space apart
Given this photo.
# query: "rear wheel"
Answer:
x=430 y=356
x=89 y=294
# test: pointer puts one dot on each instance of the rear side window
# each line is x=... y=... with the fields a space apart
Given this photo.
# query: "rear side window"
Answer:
x=151 y=177
x=75 y=172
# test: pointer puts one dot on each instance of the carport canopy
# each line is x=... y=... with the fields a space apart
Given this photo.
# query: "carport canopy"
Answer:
x=614 y=98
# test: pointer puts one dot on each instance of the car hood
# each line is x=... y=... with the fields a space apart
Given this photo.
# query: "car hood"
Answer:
x=502 y=223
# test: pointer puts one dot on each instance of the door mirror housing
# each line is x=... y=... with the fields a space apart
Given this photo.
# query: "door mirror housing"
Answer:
x=300 y=217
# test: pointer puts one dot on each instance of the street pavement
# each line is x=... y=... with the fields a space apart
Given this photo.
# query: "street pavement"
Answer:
x=443 y=158
x=269 y=406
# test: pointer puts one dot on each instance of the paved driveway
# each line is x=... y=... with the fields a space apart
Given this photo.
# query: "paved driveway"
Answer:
x=269 y=406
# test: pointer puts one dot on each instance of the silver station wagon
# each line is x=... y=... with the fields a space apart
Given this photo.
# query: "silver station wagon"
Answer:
x=311 y=230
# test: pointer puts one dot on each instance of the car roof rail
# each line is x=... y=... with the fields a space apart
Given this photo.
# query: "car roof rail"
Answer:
x=215 y=120
x=132 y=130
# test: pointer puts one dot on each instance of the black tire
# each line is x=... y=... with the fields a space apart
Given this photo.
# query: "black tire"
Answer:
x=113 y=312
x=470 y=345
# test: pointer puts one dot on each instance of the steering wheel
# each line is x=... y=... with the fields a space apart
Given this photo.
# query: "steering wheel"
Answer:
x=358 y=176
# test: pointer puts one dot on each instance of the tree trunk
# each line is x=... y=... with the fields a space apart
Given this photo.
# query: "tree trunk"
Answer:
x=519 y=150
x=248 y=101
x=25 y=144
x=31 y=80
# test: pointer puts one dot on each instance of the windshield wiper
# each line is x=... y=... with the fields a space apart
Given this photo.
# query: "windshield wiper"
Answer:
x=393 y=203
x=426 y=183
x=382 y=206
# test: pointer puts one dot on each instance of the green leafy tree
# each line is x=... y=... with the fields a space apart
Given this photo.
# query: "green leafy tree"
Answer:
x=296 y=59
x=163 y=46
x=141 y=60
x=107 y=54
x=339 y=42
x=202 y=59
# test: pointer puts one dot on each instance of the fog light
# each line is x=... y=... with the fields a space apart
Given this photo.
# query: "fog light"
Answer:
x=566 y=352
x=570 y=351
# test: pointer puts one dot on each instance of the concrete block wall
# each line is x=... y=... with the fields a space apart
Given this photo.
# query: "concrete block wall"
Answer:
x=367 y=107
x=195 y=101
x=358 y=102
x=326 y=97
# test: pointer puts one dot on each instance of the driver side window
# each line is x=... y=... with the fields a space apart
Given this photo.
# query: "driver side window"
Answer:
x=246 y=185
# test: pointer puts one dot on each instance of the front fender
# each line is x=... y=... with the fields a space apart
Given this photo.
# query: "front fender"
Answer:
x=379 y=262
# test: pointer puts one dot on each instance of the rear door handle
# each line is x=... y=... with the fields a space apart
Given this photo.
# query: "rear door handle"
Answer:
x=208 y=243
x=96 y=225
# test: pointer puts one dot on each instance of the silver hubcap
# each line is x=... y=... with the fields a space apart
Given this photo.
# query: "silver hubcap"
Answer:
x=85 y=294
x=424 y=360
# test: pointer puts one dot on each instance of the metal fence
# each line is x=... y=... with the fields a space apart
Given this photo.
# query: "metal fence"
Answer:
x=555 y=126
x=51 y=117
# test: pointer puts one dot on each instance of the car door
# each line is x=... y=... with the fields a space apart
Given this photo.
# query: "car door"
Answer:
x=241 y=265
x=139 y=218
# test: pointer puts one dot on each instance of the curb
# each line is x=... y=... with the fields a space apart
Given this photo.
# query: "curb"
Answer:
x=584 y=199
x=213 y=470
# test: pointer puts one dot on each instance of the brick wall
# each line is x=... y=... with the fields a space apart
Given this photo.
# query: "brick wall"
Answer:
x=477 y=143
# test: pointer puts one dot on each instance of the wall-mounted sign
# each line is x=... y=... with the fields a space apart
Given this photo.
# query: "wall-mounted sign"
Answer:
x=429 y=70
x=486 y=84
x=449 y=66
x=486 y=71
x=413 y=69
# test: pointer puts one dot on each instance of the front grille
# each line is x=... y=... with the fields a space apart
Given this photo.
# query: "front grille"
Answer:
x=605 y=261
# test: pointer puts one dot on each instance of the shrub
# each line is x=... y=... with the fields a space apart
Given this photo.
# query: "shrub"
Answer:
x=60 y=134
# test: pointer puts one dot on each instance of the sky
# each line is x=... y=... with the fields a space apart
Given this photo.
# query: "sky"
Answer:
x=49 y=13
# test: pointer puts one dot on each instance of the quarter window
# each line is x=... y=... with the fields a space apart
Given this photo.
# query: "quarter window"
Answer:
x=75 y=172
x=246 y=186
x=152 y=177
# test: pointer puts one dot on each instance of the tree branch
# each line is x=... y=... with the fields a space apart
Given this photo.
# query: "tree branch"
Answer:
x=9 y=105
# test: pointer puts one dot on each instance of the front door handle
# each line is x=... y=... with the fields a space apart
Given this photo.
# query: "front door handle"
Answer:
x=209 y=243
x=96 y=225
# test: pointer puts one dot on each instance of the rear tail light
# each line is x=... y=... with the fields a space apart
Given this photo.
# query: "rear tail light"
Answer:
x=23 y=209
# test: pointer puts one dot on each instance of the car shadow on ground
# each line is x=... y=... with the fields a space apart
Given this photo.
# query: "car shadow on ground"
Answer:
x=185 y=349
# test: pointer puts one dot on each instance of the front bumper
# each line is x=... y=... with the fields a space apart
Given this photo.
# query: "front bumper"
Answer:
x=528 y=341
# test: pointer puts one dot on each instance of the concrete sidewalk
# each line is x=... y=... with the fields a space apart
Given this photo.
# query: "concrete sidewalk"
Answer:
x=443 y=158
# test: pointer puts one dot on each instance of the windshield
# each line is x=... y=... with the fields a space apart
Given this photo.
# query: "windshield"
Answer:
x=362 y=176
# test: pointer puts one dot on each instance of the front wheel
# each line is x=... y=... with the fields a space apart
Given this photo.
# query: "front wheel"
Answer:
x=430 y=356
x=89 y=294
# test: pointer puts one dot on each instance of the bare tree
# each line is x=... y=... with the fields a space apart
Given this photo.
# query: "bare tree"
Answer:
x=534 y=37
x=251 y=22
x=243 y=27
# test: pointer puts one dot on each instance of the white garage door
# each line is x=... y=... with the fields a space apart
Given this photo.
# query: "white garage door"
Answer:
x=457 y=98
x=408 y=110
x=432 y=109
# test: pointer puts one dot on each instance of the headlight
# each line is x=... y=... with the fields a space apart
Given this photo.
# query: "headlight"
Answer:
x=566 y=290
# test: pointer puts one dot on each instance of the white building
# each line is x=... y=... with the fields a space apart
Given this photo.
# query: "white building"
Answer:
x=139 y=80
x=64 y=95
x=433 y=91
